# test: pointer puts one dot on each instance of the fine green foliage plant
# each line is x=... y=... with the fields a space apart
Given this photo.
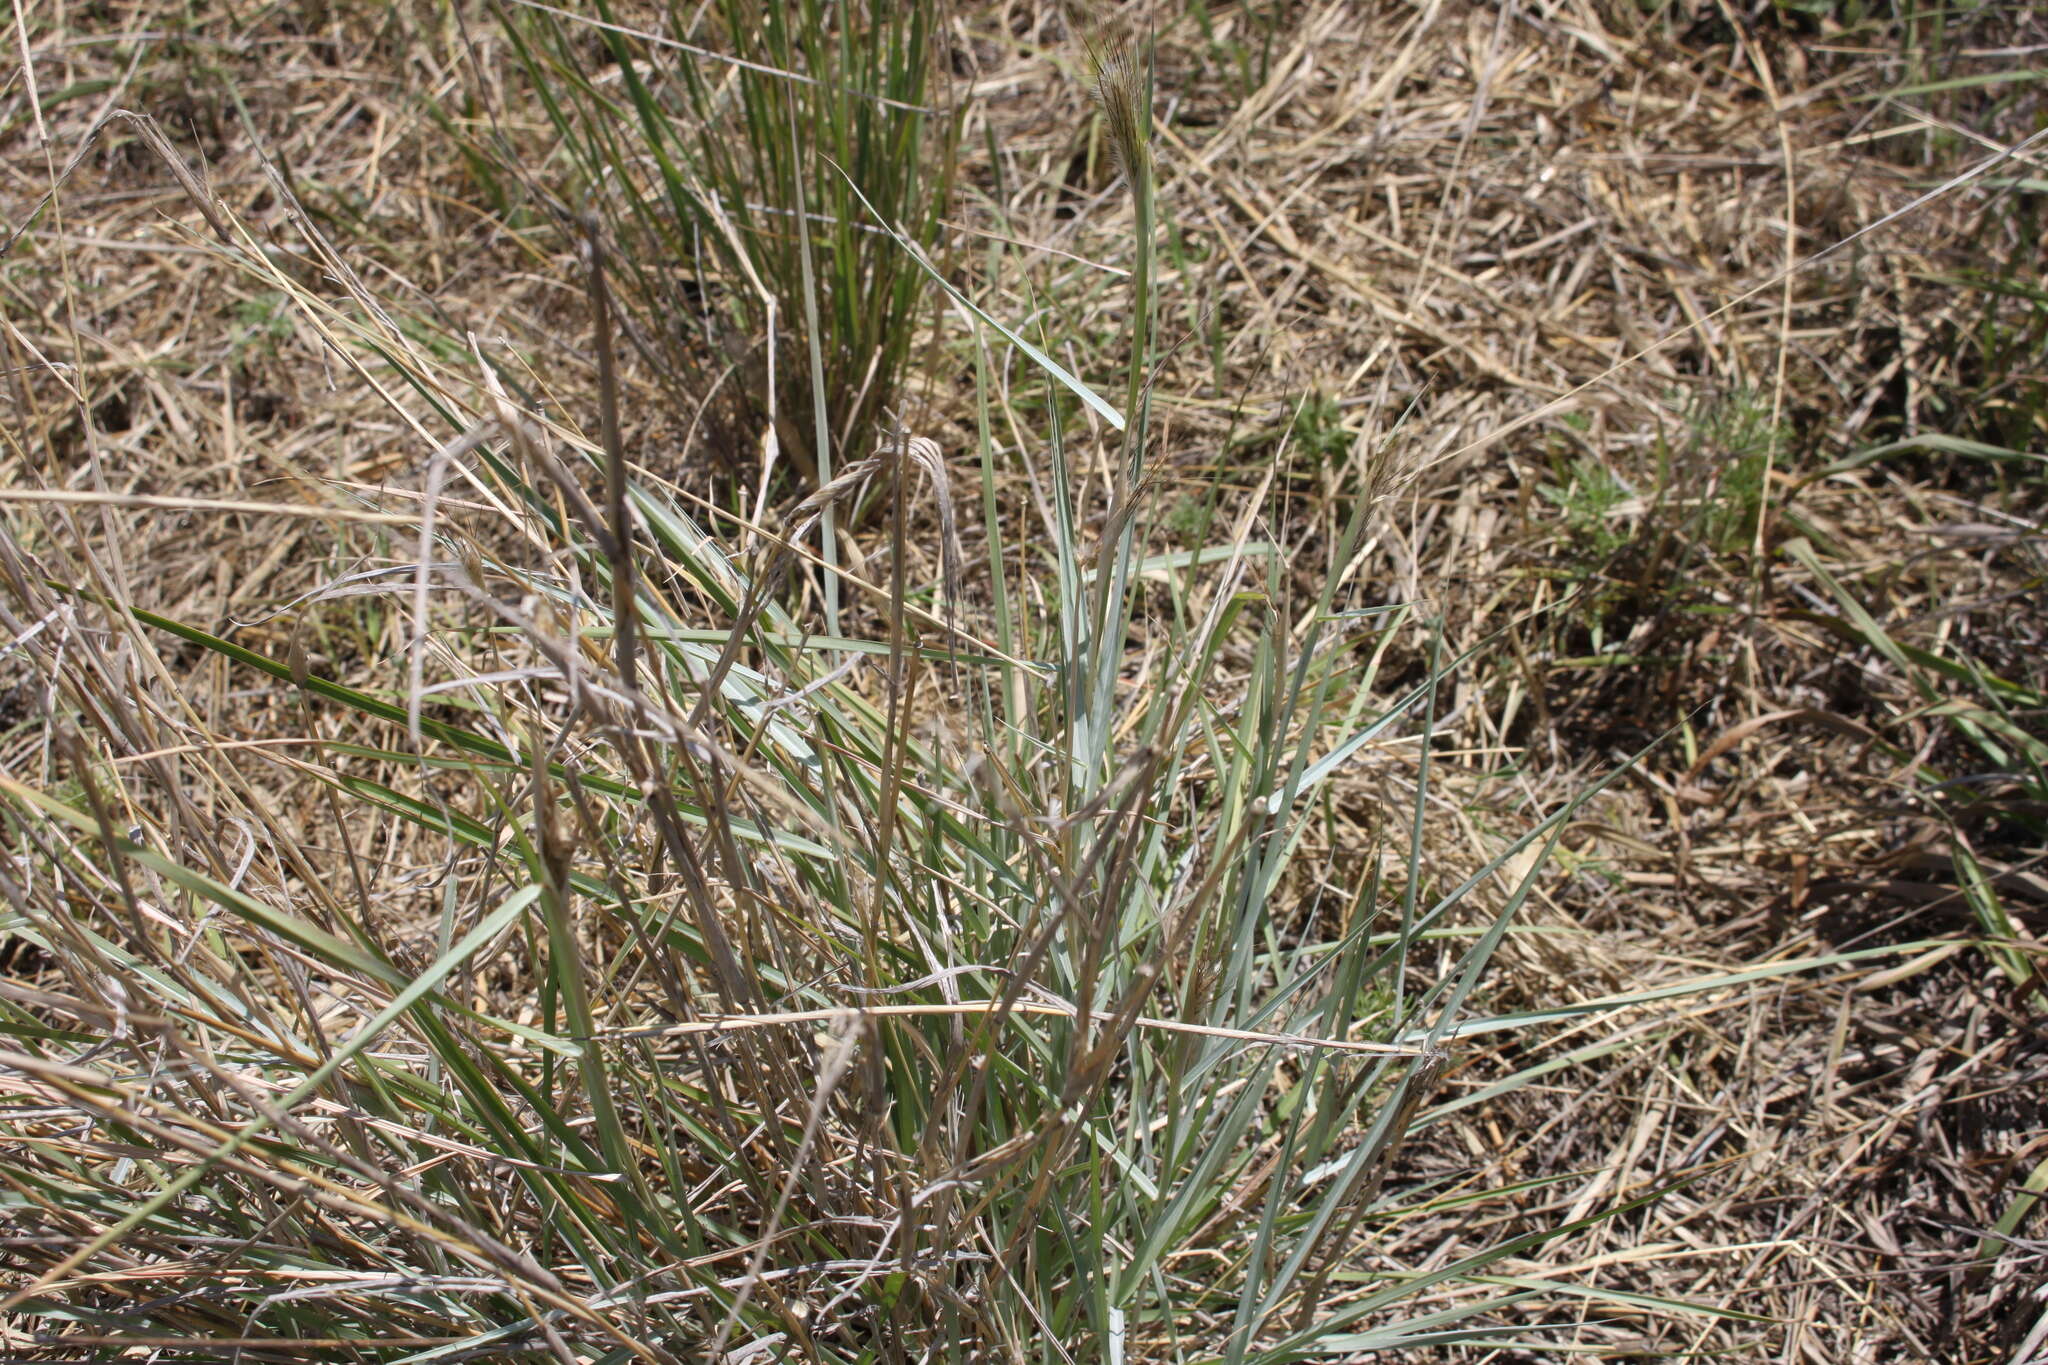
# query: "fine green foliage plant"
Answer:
x=1587 y=496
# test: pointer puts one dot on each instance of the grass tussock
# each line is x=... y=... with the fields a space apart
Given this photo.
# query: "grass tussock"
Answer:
x=890 y=683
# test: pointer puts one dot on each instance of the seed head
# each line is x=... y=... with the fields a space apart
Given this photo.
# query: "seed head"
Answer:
x=1123 y=90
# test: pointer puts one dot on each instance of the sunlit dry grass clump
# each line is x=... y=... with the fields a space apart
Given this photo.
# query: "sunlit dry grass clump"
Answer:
x=862 y=682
